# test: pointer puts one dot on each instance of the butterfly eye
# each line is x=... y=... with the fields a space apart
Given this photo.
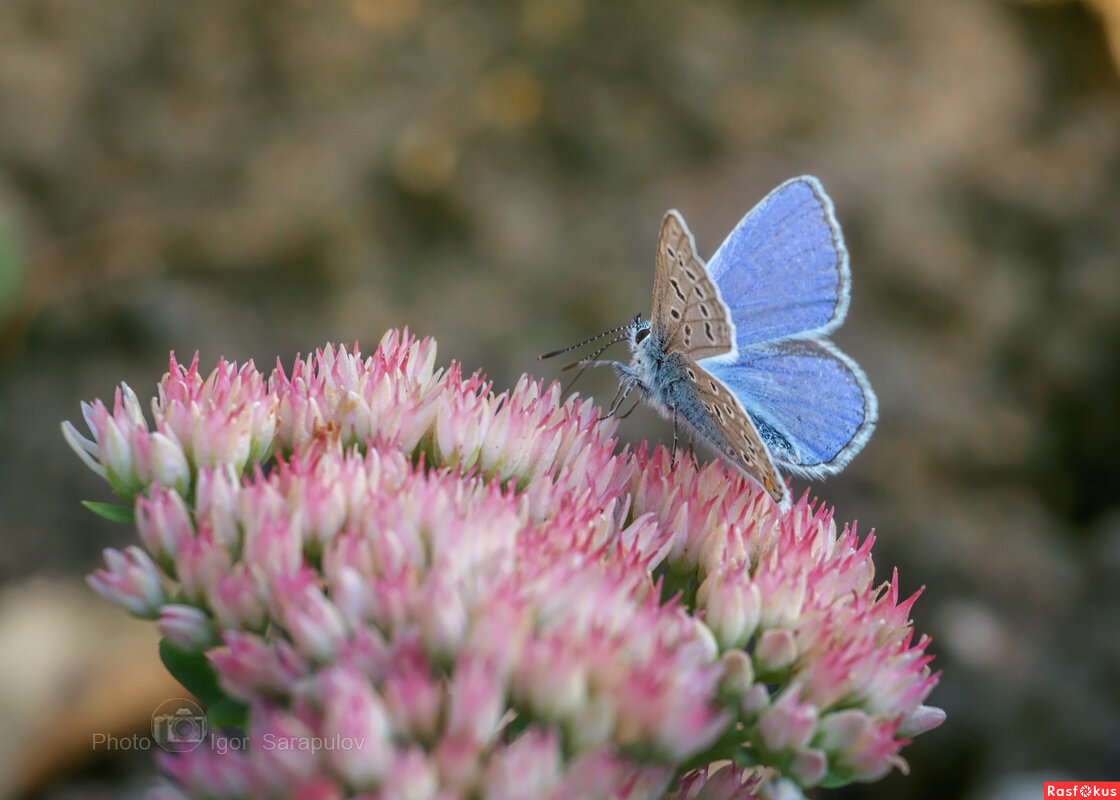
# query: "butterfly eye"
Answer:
x=641 y=335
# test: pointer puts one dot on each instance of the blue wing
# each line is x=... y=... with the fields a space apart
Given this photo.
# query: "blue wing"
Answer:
x=812 y=405
x=784 y=271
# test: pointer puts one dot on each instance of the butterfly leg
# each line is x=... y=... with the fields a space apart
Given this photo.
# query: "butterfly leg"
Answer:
x=631 y=411
x=627 y=378
x=673 y=460
x=619 y=397
x=614 y=402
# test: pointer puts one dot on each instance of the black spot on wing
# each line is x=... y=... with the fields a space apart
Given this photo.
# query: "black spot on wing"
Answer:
x=677 y=288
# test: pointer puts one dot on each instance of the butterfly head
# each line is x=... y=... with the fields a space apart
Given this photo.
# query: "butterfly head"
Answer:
x=638 y=335
x=638 y=330
x=646 y=349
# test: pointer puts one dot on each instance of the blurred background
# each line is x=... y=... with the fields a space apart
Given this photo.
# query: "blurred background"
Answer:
x=254 y=179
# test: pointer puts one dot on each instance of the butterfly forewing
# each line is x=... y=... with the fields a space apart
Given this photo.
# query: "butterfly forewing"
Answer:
x=741 y=444
x=687 y=306
x=783 y=271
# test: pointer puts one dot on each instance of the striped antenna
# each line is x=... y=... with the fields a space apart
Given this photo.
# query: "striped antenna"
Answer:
x=583 y=343
x=587 y=362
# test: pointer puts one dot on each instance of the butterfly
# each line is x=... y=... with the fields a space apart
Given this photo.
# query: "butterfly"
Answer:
x=737 y=349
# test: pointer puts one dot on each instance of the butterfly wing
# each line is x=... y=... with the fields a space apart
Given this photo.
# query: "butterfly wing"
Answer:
x=750 y=327
x=783 y=271
x=728 y=428
x=687 y=307
x=810 y=403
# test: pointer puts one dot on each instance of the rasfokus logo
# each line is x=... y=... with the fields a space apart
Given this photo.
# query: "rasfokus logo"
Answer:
x=1081 y=789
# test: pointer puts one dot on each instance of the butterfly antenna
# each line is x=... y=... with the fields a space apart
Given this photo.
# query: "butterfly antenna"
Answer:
x=587 y=362
x=543 y=356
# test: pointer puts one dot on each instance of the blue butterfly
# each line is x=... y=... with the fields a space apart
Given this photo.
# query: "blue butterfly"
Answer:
x=737 y=349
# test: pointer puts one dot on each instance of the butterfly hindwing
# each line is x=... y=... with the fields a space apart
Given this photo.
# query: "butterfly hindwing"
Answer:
x=731 y=431
x=811 y=404
x=783 y=271
x=687 y=306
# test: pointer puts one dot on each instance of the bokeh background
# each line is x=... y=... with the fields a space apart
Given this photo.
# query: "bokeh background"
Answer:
x=254 y=179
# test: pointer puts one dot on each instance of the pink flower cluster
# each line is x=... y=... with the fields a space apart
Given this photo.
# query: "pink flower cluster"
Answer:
x=801 y=597
x=462 y=594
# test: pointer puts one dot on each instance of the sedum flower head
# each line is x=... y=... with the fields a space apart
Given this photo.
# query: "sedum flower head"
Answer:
x=412 y=586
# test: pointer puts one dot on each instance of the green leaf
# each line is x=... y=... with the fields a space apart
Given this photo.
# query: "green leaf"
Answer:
x=193 y=670
x=112 y=512
x=228 y=713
